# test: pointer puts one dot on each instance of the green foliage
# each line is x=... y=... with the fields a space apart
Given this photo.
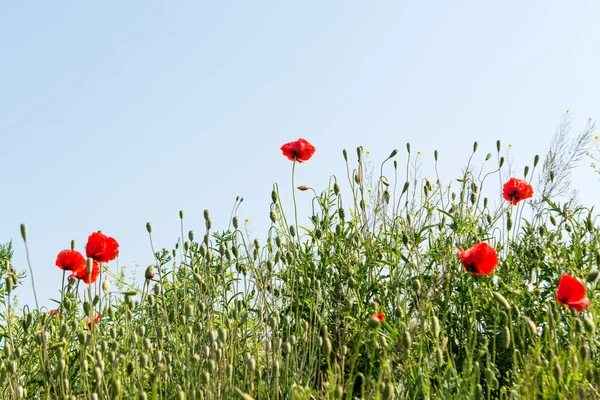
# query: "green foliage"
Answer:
x=225 y=316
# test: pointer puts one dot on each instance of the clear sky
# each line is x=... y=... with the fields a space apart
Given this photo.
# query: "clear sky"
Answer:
x=118 y=113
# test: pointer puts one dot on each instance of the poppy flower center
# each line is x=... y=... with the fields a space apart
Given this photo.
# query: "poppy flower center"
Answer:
x=515 y=195
x=471 y=267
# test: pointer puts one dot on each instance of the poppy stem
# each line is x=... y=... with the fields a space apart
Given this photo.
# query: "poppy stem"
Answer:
x=294 y=198
x=37 y=306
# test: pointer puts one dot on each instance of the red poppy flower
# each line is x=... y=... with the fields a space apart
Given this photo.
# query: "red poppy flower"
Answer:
x=380 y=316
x=101 y=248
x=572 y=293
x=300 y=150
x=516 y=190
x=53 y=312
x=480 y=259
x=82 y=273
x=96 y=320
x=70 y=260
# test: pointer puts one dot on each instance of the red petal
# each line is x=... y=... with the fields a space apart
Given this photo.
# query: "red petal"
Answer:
x=569 y=290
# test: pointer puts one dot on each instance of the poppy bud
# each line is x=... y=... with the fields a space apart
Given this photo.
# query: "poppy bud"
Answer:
x=106 y=286
x=498 y=145
x=149 y=274
x=206 y=215
x=435 y=323
x=274 y=196
x=338 y=392
x=475 y=145
x=72 y=245
x=405 y=187
x=180 y=214
x=24 y=232
x=222 y=335
x=292 y=230
x=303 y=188
x=592 y=276
x=509 y=223
x=9 y=284
x=557 y=372
x=236 y=222
x=191 y=236
x=489 y=155
x=149 y=227
x=501 y=300
x=501 y=163
x=359 y=152
x=356 y=178
x=504 y=338
x=589 y=325
x=326 y=346
x=526 y=171
x=115 y=388
x=532 y=326
x=585 y=352
x=406 y=340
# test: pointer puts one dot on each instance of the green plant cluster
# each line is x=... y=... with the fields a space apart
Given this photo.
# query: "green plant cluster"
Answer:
x=224 y=316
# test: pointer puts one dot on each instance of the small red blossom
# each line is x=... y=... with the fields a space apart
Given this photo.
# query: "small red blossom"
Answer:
x=101 y=248
x=83 y=274
x=95 y=321
x=300 y=150
x=380 y=316
x=516 y=190
x=571 y=292
x=53 y=312
x=480 y=259
x=70 y=260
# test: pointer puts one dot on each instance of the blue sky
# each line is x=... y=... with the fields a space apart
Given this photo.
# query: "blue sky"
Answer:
x=115 y=114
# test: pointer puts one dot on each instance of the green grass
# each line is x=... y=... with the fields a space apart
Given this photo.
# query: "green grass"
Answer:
x=228 y=317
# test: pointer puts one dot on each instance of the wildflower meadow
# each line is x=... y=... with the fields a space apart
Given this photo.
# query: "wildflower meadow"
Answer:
x=399 y=287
